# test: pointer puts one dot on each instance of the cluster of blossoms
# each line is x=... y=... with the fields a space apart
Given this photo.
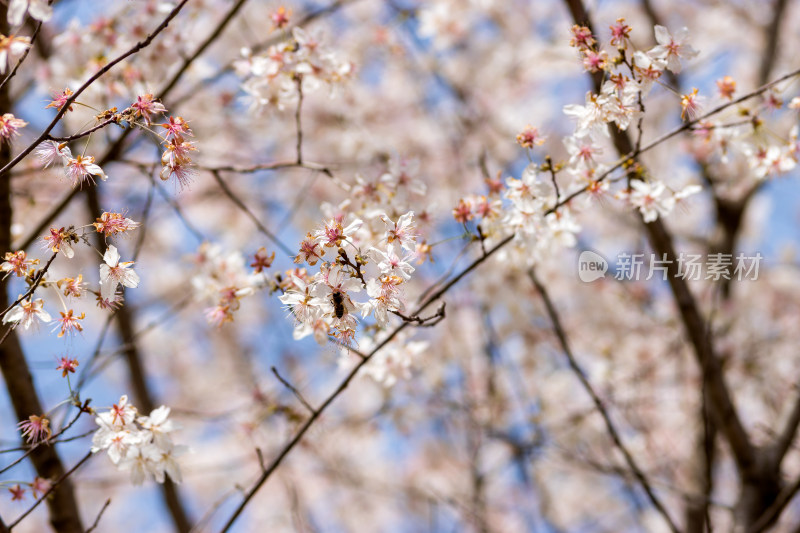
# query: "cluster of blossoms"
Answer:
x=176 y=159
x=739 y=131
x=539 y=206
x=630 y=77
x=303 y=62
x=323 y=304
x=364 y=252
x=223 y=280
x=113 y=273
x=364 y=247
x=741 y=134
x=139 y=444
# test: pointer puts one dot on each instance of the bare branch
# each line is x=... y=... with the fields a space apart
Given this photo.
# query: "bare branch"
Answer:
x=598 y=402
x=294 y=391
x=325 y=169
x=70 y=138
x=261 y=227
x=99 y=516
x=774 y=511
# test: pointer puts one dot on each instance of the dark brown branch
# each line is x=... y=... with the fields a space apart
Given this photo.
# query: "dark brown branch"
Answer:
x=428 y=321
x=774 y=511
x=271 y=166
x=70 y=138
x=598 y=402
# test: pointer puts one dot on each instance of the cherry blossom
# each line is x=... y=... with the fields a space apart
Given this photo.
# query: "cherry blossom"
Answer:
x=12 y=48
x=17 y=263
x=36 y=429
x=673 y=48
x=38 y=9
x=51 y=151
x=82 y=168
x=141 y=445
x=114 y=273
x=67 y=366
x=69 y=323
x=10 y=126
x=114 y=223
x=648 y=198
x=27 y=312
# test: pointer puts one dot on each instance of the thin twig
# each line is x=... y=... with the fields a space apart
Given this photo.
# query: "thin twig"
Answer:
x=262 y=228
x=23 y=57
x=294 y=391
x=50 y=490
x=76 y=136
x=427 y=322
x=278 y=165
x=99 y=516
x=297 y=122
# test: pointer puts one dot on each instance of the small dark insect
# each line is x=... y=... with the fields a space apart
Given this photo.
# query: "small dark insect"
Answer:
x=337 y=299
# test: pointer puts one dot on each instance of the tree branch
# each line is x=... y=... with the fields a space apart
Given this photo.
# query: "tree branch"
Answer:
x=598 y=402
